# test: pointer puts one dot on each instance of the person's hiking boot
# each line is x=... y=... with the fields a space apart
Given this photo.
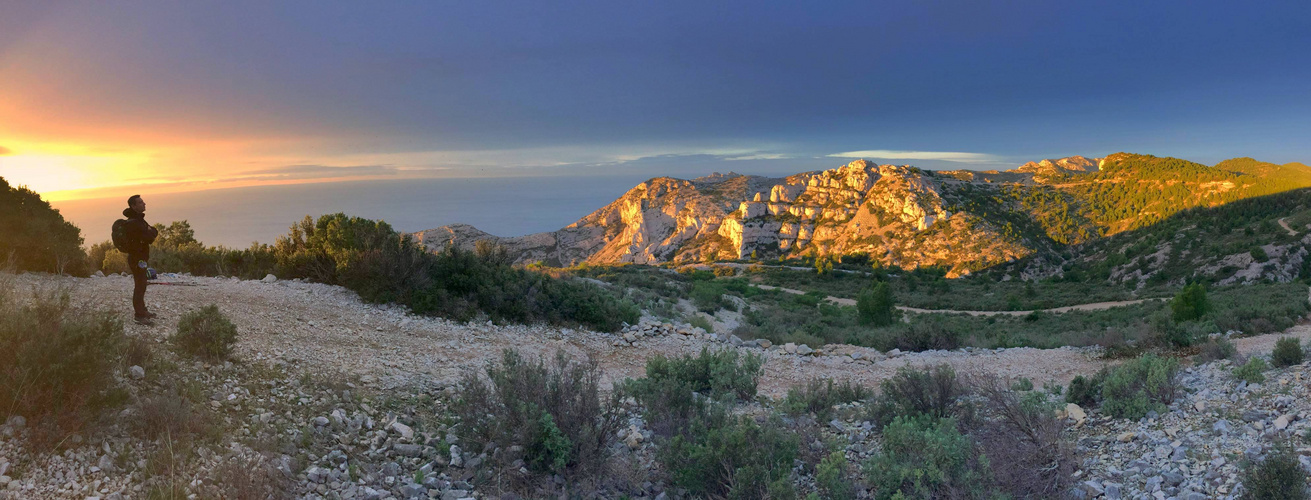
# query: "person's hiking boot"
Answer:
x=144 y=320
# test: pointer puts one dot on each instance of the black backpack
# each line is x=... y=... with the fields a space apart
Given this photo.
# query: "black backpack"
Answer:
x=119 y=235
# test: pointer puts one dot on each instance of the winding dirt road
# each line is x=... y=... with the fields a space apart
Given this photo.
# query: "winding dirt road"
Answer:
x=1095 y=306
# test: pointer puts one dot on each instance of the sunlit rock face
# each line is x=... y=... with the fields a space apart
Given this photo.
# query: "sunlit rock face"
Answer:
x=894 y=214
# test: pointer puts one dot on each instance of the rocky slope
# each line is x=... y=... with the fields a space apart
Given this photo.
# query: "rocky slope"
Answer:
x=897 y=215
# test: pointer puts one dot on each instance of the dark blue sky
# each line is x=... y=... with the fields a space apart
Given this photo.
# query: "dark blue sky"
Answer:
x=503 y=88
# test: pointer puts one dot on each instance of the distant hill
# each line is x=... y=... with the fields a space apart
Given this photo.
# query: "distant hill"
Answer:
x=896 y=215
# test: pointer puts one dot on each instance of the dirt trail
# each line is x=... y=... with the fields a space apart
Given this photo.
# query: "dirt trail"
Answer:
x=1283 y=222
x=1095 y=306
x=327 y=328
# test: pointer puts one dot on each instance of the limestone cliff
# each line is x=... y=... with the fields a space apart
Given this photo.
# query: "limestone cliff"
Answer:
x=897 y=215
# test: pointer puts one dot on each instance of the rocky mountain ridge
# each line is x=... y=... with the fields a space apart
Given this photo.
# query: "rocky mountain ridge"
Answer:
x=898 y=215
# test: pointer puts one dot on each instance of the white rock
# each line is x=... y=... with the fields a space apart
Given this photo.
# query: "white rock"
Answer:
x=269 y=278
x=136 y=372
x=1073 y=411
x=1281 y=423
x=404 y=430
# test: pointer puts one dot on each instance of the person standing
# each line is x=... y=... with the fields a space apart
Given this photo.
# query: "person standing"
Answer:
x=140 y=235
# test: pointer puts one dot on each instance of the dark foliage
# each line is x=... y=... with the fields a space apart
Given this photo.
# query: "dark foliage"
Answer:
x=1288 y=352
x=35 y=236
x=1278 y=477
x=818 y=397
x=935 y=392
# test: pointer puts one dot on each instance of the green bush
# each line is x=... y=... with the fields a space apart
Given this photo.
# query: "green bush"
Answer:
x=927 y=457
x=719 y=455
x=1139 y=386
x=831 y=477
x=1216 y=349
x=1278 y=476
x=935 y=392
x=1288 y=352
x=723 y=374
x=385 y=266
x=818 y=397
x=702 y=323
x=1191 y=303
x=1253 y=372
x=922 y=334
x=1084 y=391
x=677 y=391
x=55 y=361
x=708 y=297
x=875 y=305
x=206 y=333
x=554 y=411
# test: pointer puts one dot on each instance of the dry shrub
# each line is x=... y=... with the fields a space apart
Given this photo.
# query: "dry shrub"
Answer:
x=56 y=362
x=241 y=477
x=1023 y=442
x=555 y=411
x=170 y=415
x=137 y=352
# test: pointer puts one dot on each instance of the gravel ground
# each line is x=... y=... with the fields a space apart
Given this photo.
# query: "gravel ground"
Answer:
x=329 y=328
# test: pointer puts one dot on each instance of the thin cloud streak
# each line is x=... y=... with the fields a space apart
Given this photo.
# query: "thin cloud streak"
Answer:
x=5 y=151
x=889 y=154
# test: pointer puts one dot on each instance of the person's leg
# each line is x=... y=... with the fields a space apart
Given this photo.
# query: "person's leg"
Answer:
x=139 y=289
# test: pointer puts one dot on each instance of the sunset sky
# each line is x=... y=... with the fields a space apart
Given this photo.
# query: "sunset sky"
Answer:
x=102 y=98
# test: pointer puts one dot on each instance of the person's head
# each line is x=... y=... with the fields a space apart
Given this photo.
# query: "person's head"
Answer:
x=137 y=203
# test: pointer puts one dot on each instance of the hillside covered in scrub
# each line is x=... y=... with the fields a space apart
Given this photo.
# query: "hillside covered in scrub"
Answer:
x=899 y=216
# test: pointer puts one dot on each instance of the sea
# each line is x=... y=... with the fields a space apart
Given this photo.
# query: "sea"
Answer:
x=237 y=217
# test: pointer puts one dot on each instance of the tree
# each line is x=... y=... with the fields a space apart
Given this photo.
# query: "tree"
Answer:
x=875 y=306
x=35 y=237
x=1191 y=303
x=824 y=266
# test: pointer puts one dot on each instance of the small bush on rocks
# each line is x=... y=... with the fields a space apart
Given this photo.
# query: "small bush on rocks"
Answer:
x=676 y=391
x=1216 y=349
x=831 y=477
x=935 y=392
x=1085 y=391
x=1252 y=371
x=819 y=396
x=722 y=374
x=1288 y=352
x=206 y=333
x=1139 y=386
x=927 y=457
x=554 y=411
x=1279 y=476
x=702 y=323
x=55 y=361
